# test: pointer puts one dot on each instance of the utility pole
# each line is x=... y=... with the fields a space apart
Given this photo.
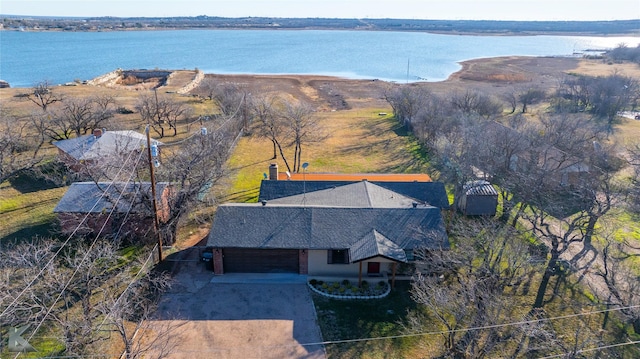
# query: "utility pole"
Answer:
x=156 y=223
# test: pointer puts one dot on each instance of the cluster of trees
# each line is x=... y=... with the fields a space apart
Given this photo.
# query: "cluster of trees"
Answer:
x=602 y=97
x=85 y=294
x=286 y=123
x=79 y=289
x=84 y=290
x=477 y=301
x=162 y=112
x=623 y=52
x=557 y=174
x=57 y=118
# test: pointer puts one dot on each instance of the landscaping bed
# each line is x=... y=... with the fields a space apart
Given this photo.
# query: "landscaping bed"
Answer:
x=346 y=289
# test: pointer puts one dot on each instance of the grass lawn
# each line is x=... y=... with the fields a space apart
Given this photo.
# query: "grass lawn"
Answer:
x=356 y=319
x=27 y=213
x=359 y=141
x=347 y=321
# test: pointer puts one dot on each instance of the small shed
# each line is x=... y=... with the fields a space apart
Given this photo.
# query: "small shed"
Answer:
x=478 y=198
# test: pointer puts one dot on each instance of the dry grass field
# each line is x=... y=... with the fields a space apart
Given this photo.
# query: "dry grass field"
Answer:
x=360 y=134
x=360 y=137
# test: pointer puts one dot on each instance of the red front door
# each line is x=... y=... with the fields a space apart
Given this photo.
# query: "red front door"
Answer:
x=373 y=267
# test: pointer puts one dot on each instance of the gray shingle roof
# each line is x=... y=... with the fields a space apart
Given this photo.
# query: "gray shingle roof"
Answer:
x=357 y=194
x=111 y=142
x=319 y=227
x=431 y=193
x=87 y=197
x=374 y=244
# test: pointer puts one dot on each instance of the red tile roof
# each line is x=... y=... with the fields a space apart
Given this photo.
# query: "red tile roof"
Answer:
x=372 y=177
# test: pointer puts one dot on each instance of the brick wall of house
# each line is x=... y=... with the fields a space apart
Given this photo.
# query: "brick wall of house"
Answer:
x=303 y=261
x=218 y=268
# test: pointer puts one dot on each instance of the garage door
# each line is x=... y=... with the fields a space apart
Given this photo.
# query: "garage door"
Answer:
x=242 y=260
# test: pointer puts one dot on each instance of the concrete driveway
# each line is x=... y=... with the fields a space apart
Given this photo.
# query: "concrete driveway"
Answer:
x=240 y=316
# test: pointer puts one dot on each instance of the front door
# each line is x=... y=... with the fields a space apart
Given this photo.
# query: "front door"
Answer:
x=373 y=268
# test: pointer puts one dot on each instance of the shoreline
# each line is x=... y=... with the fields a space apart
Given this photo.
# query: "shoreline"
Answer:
x=465 y=66
x=425 y=31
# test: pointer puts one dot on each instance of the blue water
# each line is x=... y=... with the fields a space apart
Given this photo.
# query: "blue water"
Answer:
x=58 y=57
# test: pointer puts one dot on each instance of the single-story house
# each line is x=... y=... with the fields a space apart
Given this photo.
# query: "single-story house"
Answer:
x=426 y=193
x=101 y=144
x=343 y=230
x=111 y=208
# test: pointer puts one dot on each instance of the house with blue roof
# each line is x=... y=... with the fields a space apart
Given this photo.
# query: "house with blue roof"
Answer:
x=121 y=209
x=100 y=145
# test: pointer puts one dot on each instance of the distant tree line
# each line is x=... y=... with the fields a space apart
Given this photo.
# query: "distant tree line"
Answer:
x=457 y=26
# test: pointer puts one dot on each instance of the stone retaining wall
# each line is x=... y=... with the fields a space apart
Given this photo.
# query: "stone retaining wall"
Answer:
x=193 y=84
x=109 y=77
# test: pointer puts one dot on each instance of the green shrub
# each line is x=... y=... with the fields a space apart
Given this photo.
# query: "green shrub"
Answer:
x=313 y=282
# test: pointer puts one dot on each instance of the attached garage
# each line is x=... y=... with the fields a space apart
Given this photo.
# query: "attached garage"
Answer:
x=248 y=260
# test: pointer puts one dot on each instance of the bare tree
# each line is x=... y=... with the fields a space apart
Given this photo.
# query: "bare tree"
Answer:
x=530 y=96
x=264 y=113
x=564 y=213
x=406 y=102
x=230 y=99
x=620 y=280
x=129 y=315
x=162 y=112
x=19 y=148
x=634 y=193
x=42 y=95
x=610 y=95
x=303 y=127
x=479 y=276
x=195 y=166
x=83 y=291
x=512 y=99
x=473 y=102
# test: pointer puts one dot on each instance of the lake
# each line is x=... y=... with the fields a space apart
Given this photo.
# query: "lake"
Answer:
x=59 y=57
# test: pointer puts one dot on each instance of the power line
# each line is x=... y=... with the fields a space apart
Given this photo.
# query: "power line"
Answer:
x=493 y=326
x=13 y=302
x=593 y=349
x=113 y=209
x=144 y=265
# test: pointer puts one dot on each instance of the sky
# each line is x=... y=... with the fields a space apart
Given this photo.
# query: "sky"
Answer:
x=399 y=9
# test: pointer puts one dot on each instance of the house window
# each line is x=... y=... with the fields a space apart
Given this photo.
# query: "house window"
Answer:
x=337 y=256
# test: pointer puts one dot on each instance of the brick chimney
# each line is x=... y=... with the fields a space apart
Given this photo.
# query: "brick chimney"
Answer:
x=273 y=172
x=97 y=132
